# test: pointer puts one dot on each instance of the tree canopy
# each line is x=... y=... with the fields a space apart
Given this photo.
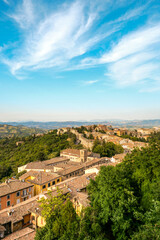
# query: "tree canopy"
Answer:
x=62 y=222
x=106 y=149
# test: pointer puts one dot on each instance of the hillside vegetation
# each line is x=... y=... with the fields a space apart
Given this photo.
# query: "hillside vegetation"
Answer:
x=32 y=149
x=21 y=131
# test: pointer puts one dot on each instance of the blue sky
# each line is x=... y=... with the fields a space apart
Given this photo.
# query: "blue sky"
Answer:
x=79 y=60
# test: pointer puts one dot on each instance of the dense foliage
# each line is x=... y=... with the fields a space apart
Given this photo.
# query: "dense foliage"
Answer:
x=33 y=149
x=108 y=149
x=141 y=139
x=81 y=129
x=62 y=221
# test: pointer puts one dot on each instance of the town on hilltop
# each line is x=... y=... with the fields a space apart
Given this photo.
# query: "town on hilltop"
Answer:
x=20 y=209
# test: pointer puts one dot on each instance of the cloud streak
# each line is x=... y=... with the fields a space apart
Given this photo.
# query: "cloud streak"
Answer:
x=6 y=1
x=90 y=82
x=135 y=58
x=24 y=14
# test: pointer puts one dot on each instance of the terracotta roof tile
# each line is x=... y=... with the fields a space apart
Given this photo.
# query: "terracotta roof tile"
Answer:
x=13 y=186
x=17 y=211
x=82 y=198
x=73 y=152
x=40 y=177
x=23 y=234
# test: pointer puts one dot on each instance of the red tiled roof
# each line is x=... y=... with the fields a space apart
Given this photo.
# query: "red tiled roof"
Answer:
x=40 y=177
x=13 y=186
x=17 y=211
x=23 y=234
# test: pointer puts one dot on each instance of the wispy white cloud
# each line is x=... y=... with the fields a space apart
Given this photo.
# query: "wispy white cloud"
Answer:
x=6 y=1
x=24 y=14
x=137 y=41
x=135 y=58
x=90 y=82
x=131 y=14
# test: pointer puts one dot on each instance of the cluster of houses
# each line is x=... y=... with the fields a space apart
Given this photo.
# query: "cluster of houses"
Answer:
x=135 y=132
x=110 y=135
x=20 y=210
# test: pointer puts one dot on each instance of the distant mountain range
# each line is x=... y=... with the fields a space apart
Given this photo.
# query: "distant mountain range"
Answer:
x=115 y=123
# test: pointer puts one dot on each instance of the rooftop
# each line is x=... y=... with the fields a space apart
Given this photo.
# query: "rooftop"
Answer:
x=13 y=186
x=82 y=198
x=73 y=152
x=16 y=213
x=55 y=160
x=39 y=177
x=70 y=170
x=23 y=234
x=77 y=183
x=35 y=165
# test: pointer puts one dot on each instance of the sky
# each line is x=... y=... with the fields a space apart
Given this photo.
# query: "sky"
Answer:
x=79 y=60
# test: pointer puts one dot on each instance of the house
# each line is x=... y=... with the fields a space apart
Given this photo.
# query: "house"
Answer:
x=80 y=201
x=72 y=171
x=96 y=162
x=78 y=170
x=77 y=184
x=79 y=155
x=43 y=165
x=37 y=219
x=38 y=166
x=41 y=180
x=118 y=158
x=23 y=234
x=19 y=143
x=17 y=217
x=13 y=192
x=94 y=169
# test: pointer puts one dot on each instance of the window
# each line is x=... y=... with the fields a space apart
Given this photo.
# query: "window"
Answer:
x=8 y=196
x=0 y=206
x=49 y=184
x=44 y=186
x=18 y=201
x=29 y=189
x=33 y=218
x=18 y=194
x=53 y=183
x=8 y=203
x=57 y=180
x=24 y=192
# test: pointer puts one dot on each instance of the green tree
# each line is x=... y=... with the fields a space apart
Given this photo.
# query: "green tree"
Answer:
x=108 y=149
x=62 y=221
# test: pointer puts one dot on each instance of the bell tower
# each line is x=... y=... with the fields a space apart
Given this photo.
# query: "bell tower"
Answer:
x=83 y=155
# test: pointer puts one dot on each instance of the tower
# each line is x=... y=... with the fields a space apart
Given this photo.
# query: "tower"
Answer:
x=83 y=155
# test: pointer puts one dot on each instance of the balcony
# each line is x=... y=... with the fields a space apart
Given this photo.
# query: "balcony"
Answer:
x=25 y=195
